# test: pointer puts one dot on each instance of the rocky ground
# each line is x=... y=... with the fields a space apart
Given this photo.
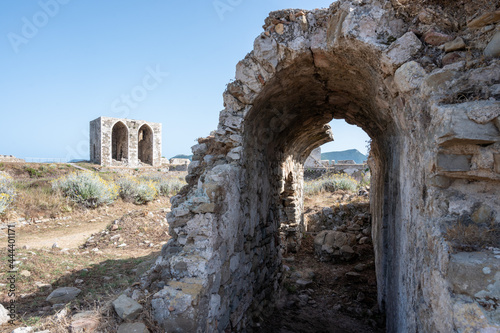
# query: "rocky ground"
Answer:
x=330 y=286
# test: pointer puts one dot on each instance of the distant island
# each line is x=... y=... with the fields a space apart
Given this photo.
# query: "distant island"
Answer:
x=189 y=157
x=351 y=154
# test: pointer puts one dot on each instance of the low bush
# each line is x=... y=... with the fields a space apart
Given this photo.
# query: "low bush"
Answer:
x=139 y=191
x=164 y=185
x=7 y=192
x=330 y=183
x=86 y=188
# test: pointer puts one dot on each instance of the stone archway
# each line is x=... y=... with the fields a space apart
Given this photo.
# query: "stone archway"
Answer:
x=119 y=142
x=145 y=144
x=222 y=267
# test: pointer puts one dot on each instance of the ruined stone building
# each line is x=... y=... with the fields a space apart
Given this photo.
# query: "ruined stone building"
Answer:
x=424 y=84
x=125 y=142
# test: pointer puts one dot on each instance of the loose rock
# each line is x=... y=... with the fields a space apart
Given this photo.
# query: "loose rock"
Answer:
x=127 y=308
x=63 y=295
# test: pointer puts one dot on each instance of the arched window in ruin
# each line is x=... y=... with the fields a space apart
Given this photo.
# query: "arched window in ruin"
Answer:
x=119 y=142
x=145 y=145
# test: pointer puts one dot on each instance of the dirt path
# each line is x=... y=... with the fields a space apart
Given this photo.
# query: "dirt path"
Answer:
x=66 y=237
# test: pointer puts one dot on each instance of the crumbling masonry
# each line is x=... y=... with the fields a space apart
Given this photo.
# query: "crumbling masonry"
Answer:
x=125 y=142
x=434 y=123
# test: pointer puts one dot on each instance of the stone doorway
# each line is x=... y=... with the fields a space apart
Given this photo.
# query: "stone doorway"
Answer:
x=145 y=138
x=119 y=139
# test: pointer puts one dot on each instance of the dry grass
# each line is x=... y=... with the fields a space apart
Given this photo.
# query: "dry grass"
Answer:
x=36 y=198
x=470 y=237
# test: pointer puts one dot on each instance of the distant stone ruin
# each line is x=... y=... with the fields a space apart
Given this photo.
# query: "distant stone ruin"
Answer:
x=424 y=84
x=11 y=159
x=125 y=142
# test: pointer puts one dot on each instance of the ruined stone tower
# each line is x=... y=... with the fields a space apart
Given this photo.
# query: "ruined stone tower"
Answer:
x=125 y=142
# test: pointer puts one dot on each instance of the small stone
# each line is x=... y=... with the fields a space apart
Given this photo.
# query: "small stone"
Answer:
x=493 y=47
x=352 y=274
x=455 y=45
x=84 y=322
x=27 y=329
x=63 y=295
x=360 y=267
x=303 y=283
x=482 y=214
x=4 y=315
x=133 y=328
x=114 y=227
x=280 y=28
x=487 y=270
x=43 y=286
x=451 y=58
x=55 y=246
x=127 y=308
x=25 y=273
x=364 y=240
x=171 y=308
x=78 y=281
x=436 y=38
x=485 y=19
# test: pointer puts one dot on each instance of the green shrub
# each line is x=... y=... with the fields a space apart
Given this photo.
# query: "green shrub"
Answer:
x=330 y=183
x=139 y=191
x=7 y=192
x=34 y=173
x=164 y=185
x=86 y=188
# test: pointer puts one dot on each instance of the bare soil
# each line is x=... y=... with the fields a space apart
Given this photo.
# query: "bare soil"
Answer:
x=333 y=303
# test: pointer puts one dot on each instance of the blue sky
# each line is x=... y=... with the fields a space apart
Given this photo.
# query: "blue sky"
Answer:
x=64 y=63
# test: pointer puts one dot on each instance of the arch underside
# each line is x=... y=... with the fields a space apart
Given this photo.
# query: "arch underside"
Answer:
x=145 y=144
x=119 y=142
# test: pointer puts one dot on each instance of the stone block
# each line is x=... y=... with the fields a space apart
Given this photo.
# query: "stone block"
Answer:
x=496 y=157
x=409 y=76
x=452 y=162
x=457 y=127
x=401 y=51
x=475 y=274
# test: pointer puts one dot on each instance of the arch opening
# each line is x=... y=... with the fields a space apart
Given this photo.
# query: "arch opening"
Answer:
x=288 y=120
x=119 y=142
x=145 y=144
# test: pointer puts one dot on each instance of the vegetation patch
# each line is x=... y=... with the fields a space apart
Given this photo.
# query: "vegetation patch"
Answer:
x=138 y=191
x=330 y=183
x=7 y=191
x=86 y=188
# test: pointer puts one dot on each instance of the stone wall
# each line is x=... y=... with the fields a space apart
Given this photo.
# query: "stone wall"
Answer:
x=433 y=121
x=314 y=160
x=140 y=145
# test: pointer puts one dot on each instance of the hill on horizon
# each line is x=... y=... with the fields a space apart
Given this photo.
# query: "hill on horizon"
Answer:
x=350 y=154
x=189 y=157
